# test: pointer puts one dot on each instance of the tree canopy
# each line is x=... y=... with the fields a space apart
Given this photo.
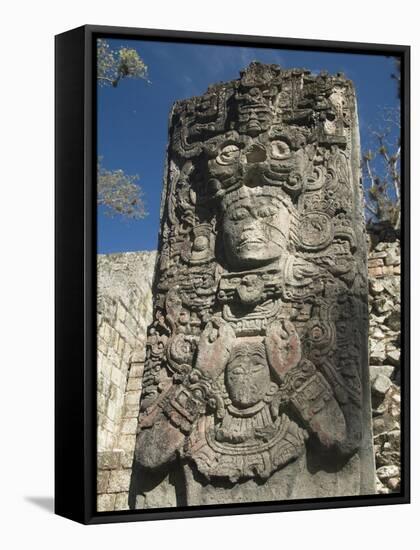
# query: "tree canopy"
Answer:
x=119 y=193
x=381 y=170
x=114 y=65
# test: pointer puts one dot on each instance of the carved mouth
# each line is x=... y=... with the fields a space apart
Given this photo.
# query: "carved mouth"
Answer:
x=247 y=242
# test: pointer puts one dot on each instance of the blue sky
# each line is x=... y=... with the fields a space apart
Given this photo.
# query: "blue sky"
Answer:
x=133 y=118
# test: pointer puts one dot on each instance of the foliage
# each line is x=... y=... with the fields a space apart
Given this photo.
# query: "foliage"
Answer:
x=119 y=193
x=114 y=65
x=381 y=172
x=382 y=167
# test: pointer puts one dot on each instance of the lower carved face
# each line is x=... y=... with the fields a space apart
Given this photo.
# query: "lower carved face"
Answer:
x=255 y=231
x=247 y=375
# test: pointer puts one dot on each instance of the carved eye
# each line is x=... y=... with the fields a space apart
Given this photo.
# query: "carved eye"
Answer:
x=266 y=211
x=184 y=316
x=237 y=371
x=280 y=150
x=240 y=214
x=257 y=368
x=228 y=155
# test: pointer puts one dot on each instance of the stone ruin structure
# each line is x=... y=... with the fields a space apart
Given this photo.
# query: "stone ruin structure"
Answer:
x=256 y=380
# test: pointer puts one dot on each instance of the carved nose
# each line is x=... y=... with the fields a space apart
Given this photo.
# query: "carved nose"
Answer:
x=248 y=227
x=256 y=154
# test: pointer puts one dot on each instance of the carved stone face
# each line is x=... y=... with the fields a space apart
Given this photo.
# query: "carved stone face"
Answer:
x=253 y=120
x=255 y=231
x=247 y=375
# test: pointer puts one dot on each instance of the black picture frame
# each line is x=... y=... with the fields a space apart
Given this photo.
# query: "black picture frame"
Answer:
x=75 y=273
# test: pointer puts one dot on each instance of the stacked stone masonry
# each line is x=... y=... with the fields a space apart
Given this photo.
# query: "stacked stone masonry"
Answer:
x=385 y=349
x=124 y=311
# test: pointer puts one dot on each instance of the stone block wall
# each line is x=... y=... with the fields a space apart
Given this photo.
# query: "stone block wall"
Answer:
x=124 y=312
x=384 y=267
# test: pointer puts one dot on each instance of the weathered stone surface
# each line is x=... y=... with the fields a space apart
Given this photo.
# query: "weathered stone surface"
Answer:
x=119 y=480
x=393 y=256
x=121 y=501
x=256 y=359
x=393 y=356
x=108 y=460
x=376 y=287
x=378 y=352
x=376 y=370
x=387 y=472
x=384 y=338
x=124 y=310
x=381 y=384
x=386 y=407
x=102 y=481
x=129 y=426
x=105 y=502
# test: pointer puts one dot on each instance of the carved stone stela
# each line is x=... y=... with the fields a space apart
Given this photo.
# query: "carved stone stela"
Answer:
x=256 y=385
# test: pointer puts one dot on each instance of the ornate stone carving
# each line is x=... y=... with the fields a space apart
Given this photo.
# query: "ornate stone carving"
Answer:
x=256 y=365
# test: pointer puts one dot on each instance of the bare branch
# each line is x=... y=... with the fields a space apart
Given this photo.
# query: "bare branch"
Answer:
x=381 y=171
